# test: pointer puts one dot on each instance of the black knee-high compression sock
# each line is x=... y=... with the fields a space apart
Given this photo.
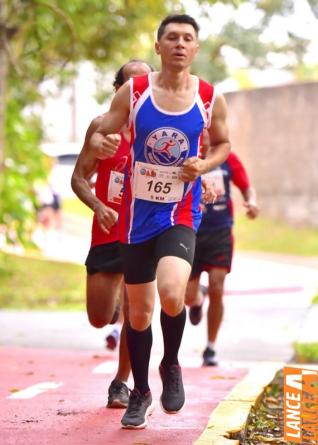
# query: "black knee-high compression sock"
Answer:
x=172 y=331
x=139 y=346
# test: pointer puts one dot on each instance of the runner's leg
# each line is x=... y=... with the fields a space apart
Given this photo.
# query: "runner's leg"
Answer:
x=124 y=362
x=102 y=293
x=172 y=278
x=216 y=307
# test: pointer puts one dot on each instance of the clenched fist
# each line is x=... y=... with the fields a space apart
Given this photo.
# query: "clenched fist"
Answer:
x=104 y=146
x=106 y=216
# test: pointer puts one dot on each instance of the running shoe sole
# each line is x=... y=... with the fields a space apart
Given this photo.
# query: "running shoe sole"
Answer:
x=149 y=411
x=170 y=412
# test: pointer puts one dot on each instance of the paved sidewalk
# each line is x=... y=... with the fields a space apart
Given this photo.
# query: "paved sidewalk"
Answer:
x=71 y=409
x=267 y=308
x=267 y=304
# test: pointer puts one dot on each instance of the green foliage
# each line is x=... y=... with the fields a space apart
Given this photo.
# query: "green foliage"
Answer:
x=248 y=42
x=42 y=36
x=48 y=38
x=306 y=352
x=315 y=299
x=314 y=7
x=265 y=235
x=39 y=288
x=210 y=63
x=24 y=163
x=74 y=206
x=243 y=78
x=306 y=72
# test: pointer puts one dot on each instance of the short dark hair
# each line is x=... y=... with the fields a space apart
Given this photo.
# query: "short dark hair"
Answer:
x=177 y=18
x=119 y=76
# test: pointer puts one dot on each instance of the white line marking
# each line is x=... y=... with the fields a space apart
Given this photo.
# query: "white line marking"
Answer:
x=34 y=390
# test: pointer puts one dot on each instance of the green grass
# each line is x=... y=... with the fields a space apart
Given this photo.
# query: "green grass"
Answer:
x=76 y=207
x=29 y=283
x=315 y=299
x=265 y=235
x=306 y=352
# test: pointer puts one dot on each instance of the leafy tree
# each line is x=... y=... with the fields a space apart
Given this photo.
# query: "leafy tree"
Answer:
x=249 y=42
x=47 y=38
x=314 y=7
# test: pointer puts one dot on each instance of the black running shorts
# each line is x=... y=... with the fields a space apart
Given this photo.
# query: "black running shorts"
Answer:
x=140 y=260
x=213 y=249
x=104 y=258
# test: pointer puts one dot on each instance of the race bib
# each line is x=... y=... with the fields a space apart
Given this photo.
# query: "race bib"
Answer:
x=115 y=187
x=157 y=183
x=217 y=180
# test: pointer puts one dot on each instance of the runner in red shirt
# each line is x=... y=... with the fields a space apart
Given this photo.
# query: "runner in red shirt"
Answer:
x=104 y=266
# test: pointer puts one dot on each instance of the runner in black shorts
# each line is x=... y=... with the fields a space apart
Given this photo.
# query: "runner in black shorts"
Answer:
x=105 y=286
x=178 y=241
x=214 y=248
x=104 y=258
x=167 y=111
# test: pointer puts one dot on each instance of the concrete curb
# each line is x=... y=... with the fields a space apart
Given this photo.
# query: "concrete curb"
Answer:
x=230 y=416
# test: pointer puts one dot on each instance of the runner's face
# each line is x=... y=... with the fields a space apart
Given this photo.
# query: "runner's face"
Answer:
x=178 y=45
x=134 y=69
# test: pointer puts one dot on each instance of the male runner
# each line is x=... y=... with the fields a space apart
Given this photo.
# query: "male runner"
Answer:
x=103 y=263
x=214 y=248
x=160 y=212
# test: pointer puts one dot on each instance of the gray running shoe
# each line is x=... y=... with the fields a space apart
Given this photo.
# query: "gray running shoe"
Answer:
x=209 y=357
x=118 y=395
x=195 y=314
x=172 y=397
x=139 y=408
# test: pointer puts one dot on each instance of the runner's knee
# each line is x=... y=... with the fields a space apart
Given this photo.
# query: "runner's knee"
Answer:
x=100 y=313
x=172 y=301
x=97 y=321
x=140 y=320
x=140 y=314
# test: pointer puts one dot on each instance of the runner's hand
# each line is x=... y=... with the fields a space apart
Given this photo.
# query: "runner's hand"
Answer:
x=192 y=168
x=106 y=217
x=104 y=146
x=208 y=193
x=252 y=209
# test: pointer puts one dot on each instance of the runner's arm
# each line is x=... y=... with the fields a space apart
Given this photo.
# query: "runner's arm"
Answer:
x=219 y=148
x=112 y=122
x=241 y=180
x=216 y=150
x=250 y=202
x=85 y=167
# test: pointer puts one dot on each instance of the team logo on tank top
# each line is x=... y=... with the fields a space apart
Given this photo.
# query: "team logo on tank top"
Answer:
x=166 y=146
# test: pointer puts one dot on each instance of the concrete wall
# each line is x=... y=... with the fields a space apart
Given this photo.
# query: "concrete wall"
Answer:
x=275 y=132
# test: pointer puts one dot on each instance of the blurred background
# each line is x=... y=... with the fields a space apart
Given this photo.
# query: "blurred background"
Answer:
x=57 y=64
